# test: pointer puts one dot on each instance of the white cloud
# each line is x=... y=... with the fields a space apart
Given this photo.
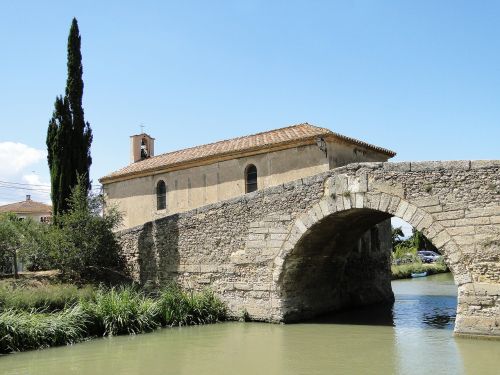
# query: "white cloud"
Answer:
x=14 y=157
x=405 y=227
x=34 y=179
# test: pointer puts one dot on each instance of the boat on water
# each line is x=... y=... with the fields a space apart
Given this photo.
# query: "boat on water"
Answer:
x=419 y=274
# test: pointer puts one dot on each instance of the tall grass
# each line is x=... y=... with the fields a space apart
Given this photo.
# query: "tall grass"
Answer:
x=48 y=298
x=123 y=310
x=23 y=330
x=404 y=271
x=68 y=315
x=184 y=308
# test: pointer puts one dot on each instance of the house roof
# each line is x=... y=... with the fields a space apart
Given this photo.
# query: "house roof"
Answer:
x=256 y=143
x=27 y=207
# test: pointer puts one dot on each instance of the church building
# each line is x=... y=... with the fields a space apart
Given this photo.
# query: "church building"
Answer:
x=154 y=186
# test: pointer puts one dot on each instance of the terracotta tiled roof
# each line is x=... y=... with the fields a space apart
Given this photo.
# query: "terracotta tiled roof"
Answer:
x=27 y=207
x=260 y=141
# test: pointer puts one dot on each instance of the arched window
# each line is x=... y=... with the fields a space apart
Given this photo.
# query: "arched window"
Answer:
x=161 y=195
x=251 y=178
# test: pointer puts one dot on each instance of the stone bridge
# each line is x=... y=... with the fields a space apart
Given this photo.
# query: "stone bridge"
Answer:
x=321 y=243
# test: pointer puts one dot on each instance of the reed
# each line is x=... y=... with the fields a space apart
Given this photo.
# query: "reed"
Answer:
x=122 y=310
x=24 y=330
x=49 y=298
x=178 y=307
x=404 y=271
x=61 y=315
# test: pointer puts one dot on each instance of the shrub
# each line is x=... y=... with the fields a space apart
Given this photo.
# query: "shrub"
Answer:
x=22 y=330
x=90 y=249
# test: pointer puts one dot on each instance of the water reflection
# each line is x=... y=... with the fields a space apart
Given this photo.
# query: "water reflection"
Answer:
x=414 y=337
x=415 y=306
x=374 y=315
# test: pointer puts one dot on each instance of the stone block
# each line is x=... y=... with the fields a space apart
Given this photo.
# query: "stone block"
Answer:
x=440 y=239
x=274 y=243
x=256 y=236
x=410 y=211
x=426 y=201
x=341 y=184
x=483 y=212
x=358 y=184
x=471 y=221
x=277 y=230
x=278 y=236
x=465 y=240
x=434 y=209
x=403 y=205
x=417 y=217
x=258 y=230
x=394 y=188
x=208 y=268
x=242 y=286
x=393 y=206
x=327 y=205
x=359 y=200
x=426 y=166
x=385 y=200
x=397 y=167
x=346 y=201
x=192 y=268
x=256 y=244
x=340 y=203
x=299 y=225
x=449 y=215
x=374 y=201
x=461 y=231
x=316 y=210
x=484 y=164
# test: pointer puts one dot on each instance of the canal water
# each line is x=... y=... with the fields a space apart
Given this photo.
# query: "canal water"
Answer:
x=414 y=337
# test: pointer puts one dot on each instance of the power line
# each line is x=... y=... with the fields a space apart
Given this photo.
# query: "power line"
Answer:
x=21 y=183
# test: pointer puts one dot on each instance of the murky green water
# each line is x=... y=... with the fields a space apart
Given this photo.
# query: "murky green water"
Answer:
x=414 y=338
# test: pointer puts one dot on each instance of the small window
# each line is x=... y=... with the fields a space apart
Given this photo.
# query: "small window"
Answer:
x=251 y=178
x=161 y=195
x=144 y=149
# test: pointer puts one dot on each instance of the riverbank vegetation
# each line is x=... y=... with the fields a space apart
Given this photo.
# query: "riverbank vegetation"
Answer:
x=405 y=259
x=404 y=271
x=63 y=314
x=80 y=242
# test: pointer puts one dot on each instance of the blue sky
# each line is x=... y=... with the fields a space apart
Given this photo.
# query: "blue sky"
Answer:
x=419 y=77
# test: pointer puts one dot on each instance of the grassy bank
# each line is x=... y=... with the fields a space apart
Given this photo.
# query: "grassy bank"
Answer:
x=404 y=271
x=64 y=314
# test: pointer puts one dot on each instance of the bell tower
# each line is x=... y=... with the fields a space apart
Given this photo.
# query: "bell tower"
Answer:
x=142 y=146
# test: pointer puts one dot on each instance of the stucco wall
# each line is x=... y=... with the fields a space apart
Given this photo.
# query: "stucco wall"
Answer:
x=195 y=187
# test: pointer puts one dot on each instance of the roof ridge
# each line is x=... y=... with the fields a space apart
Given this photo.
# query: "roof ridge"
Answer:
x=240 y=137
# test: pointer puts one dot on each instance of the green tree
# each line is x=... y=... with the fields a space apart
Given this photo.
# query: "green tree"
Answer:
x=397 y=236
x=68 y=136
x=88 y=247
x=10 y=241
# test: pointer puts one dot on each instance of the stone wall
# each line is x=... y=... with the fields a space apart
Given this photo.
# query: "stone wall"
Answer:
x=268 y=251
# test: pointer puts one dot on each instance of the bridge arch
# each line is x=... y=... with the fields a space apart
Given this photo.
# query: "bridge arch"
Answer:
x=329 y=259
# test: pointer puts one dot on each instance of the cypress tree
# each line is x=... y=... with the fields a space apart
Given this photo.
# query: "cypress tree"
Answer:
x=68 y=136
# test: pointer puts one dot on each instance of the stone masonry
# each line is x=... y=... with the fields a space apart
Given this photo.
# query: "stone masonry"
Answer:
x=320 y=243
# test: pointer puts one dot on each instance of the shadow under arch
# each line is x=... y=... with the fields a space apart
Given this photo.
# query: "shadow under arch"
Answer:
x=337 y=254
